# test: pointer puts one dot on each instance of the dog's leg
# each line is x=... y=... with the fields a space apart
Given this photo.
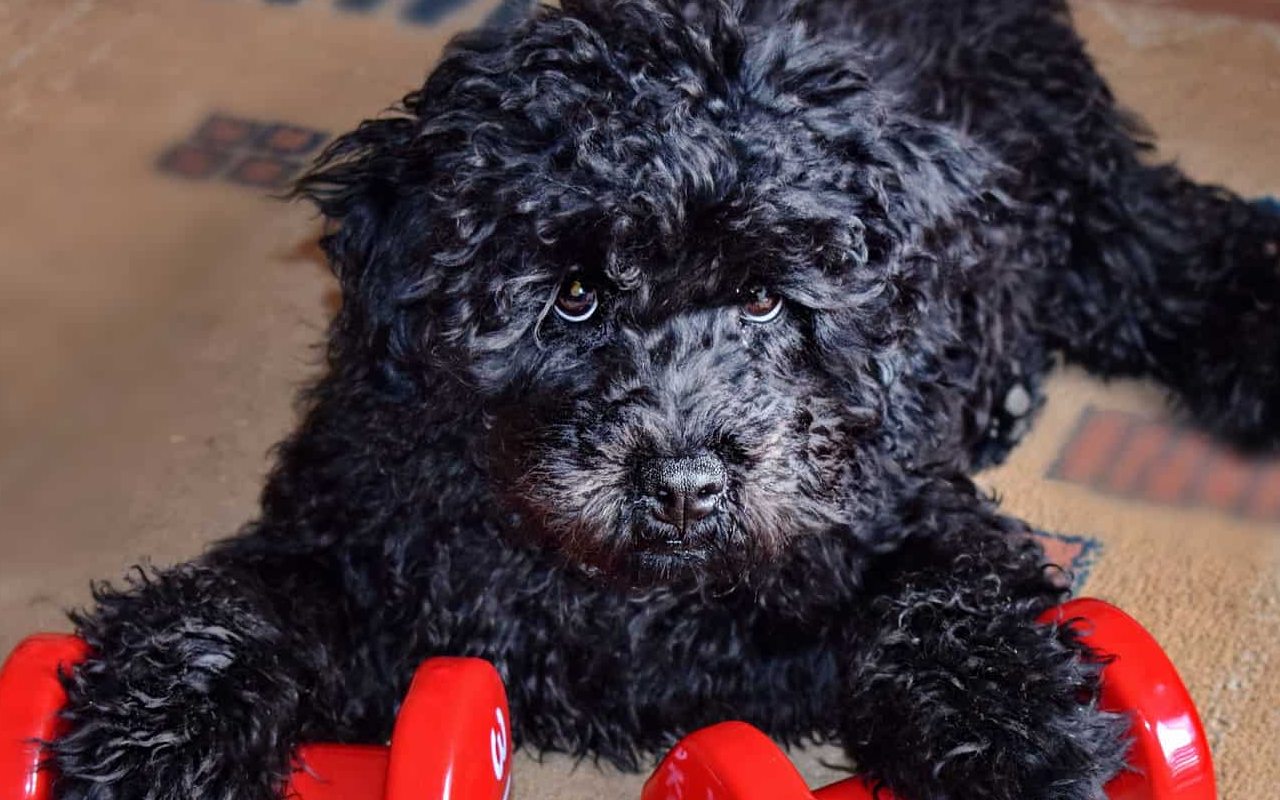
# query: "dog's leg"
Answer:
x=1180 y=282
x=1148 y=273
x=953 y=691
x=198 y=684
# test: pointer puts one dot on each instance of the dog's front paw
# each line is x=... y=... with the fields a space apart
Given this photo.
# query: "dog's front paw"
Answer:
x=1066 y=755
x=187 y=696
x=982 y=706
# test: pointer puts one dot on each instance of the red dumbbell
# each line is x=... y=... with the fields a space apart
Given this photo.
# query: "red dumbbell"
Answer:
x=1169 y=755
x=452 y=737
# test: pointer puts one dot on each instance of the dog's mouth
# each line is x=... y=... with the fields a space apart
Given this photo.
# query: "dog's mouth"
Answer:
x=660 y=564
x=674 y=546
x=652 y=559
x=676 y=558
x=661 y=554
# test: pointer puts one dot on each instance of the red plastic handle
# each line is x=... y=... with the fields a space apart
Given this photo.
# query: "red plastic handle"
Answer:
x=340 y=772
x=30 y=698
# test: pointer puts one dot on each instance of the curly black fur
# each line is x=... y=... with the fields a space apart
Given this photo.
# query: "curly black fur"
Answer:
x=942 y=193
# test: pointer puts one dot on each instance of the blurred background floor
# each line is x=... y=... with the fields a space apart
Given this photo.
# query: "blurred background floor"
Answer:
x=158 y=311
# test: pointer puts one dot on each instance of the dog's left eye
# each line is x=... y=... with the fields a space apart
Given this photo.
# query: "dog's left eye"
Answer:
x=761 y=305
x=577 y=300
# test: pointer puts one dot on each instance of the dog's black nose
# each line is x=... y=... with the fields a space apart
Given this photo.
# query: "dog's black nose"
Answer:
x=685 y=489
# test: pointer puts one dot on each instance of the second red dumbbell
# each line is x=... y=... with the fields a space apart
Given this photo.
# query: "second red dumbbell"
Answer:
x=1169 y=756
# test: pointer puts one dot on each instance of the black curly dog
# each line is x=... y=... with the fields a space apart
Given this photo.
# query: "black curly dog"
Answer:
x=670 y=332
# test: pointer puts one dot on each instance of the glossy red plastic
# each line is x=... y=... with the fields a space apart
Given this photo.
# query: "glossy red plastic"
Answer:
x=452 y=738
x=452 y=741
x=30 y=698
x=1170 y=754
x=728 y=761
x=340 y=772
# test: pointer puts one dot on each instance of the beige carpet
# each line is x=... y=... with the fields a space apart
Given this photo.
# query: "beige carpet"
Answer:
x=158 y=312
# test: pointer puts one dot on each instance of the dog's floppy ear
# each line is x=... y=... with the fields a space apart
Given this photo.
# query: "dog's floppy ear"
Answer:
x=359 y=183
x=355 y=184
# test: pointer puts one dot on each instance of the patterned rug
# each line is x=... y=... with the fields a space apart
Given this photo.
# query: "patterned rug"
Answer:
x=161 y=310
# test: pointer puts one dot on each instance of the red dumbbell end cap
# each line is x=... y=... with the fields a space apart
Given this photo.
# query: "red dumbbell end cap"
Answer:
x=1170 y=752
x=30 y=698
x=452 y=739
x=728 y=761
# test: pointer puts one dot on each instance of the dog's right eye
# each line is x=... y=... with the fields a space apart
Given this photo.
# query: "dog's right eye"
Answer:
x=577 y=300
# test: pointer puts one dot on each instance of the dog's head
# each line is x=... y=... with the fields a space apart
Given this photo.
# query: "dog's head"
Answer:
x=672 y=261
